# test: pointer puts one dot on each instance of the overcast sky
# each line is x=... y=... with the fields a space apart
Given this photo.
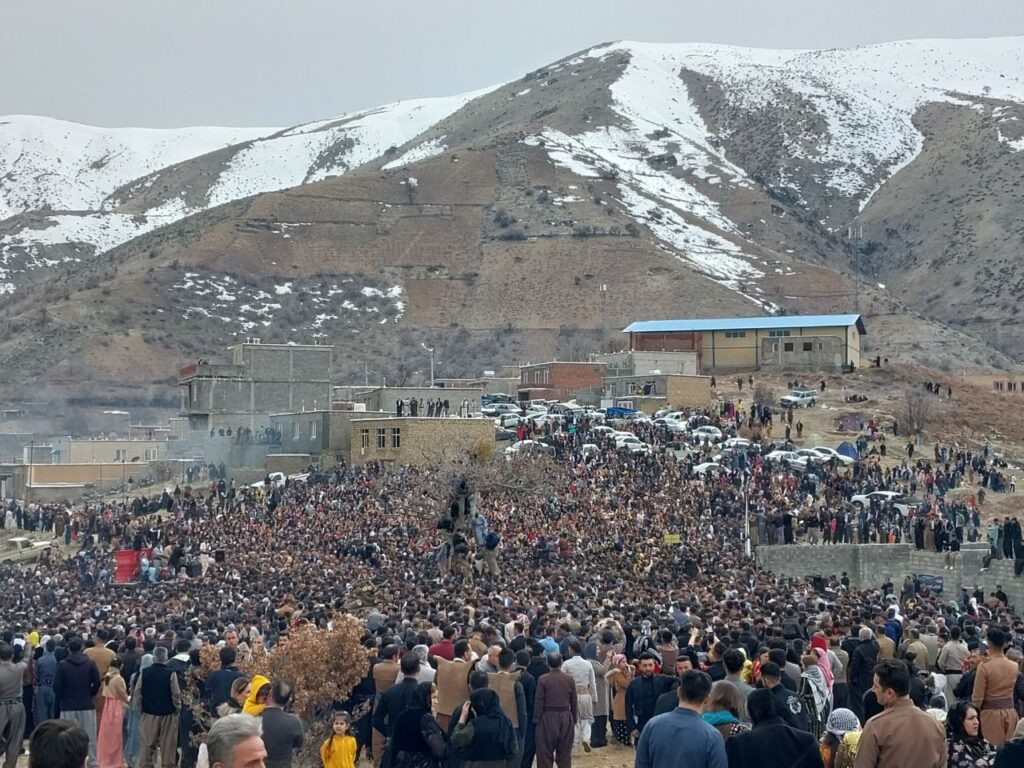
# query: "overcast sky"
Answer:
x=268 y=63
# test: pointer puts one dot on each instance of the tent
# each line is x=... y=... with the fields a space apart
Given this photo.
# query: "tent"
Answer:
x=847 y=449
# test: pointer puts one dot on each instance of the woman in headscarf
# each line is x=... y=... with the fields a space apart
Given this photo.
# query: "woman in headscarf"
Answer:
x=1011 y=754
x=418 y=741
x=259 y=692
x=484 y=736
x=239 y=693
x=842 y=736
x=814 y=693
x=131 y=745
x=819 y=647
x=722 y=709
x=109 y=745
x=619 y=678
x=966 y=746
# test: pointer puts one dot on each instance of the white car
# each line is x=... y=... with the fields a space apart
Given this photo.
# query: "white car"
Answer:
x=864 y=499
x=812 y=456
x=798 y=398
x=787 y=458
x=740 y=443
x=507 y=420
x=633 y=444
x=708 y=466
x=711 y=434
x=601 y=429
x=671 y=425
x=589 y=449
x=528 y=447
x=496 y=409
x=830 y=453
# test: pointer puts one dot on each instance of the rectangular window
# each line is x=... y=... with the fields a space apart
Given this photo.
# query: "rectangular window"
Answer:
x=120 y=454
x=778 y=333
x=312 y=430
x=396 y=437
x=381 y=438
x=808 y=346
x=536 y=377
x=735 y=334
x=547 y=376
x=296 y=431
x=364 y=438
x=151 y=454
x=787 y=347
x=526 y=377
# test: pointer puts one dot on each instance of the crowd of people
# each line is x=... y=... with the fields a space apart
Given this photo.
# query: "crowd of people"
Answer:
x=624 y=611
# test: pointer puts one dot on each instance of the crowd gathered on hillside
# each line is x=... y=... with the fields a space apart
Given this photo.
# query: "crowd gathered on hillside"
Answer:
x=612 y=606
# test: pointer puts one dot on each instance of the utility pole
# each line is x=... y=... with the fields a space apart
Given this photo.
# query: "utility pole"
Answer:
x=431 y=351
x=28 y=474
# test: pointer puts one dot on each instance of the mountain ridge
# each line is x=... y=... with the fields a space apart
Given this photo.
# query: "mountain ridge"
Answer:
x=792 y=180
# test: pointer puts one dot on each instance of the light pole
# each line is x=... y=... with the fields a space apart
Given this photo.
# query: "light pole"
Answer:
x=431 y=351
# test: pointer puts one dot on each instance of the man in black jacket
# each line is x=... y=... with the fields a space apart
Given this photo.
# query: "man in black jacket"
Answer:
x=642 y=695
x=771 y=743
x=395 y=698
x=158 y=697
x=218 y=682
x=787 y=703
x=862 y=666
x=282 y=732
x=75 y=688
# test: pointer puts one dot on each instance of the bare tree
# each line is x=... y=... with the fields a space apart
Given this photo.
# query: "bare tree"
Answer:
x=764 y=395
x=914 y=411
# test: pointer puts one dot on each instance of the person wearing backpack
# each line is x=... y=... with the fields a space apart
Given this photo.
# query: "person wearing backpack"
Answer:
x=491 y=541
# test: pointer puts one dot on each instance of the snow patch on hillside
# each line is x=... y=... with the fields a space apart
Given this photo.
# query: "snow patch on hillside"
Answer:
x=46 y=163
x=424 y=151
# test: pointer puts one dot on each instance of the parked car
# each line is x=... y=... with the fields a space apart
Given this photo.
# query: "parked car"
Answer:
x=497 y=397
x=798 y=398
x=710 y=434
x=787 y=459
x=812 y=456
x=589 y=449
x=864 y=499
x=495 y=409
x=633 y=444
x=740 y=443
x=601 y=429
x=706 y=467
x=507 y=420
x=830 y=453
x=23 y=550
x=501 y=434
x=525 y=447
x=909 y=505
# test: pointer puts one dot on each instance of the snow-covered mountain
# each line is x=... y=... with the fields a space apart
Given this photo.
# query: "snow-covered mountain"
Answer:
x=762 y=179
x=95 y=188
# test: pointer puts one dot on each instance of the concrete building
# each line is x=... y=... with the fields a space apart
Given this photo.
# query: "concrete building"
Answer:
x=644 y=363
x=774 y=342
x=558 y=380
x=113 y=451
x=1001 y=383
x=325 y=436
x=410 y=441
x=488 y=385
x=386 y=398
x=261 y=379
x=653 y=392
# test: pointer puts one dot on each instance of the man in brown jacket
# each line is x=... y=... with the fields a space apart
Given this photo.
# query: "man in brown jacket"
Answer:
x=993 y=691
x=902 y=735
x=101 y=656
x=886 y=647
x=555 y=714
x=385 y=672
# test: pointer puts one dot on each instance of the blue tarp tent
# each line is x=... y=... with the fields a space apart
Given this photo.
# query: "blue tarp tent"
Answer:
x=847 y=449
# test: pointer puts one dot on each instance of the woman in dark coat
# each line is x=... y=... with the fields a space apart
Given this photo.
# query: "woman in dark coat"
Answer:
x=418 y=741
x=485 y=740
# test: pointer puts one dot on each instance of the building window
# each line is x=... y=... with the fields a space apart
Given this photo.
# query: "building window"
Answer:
x=735 y=334
x=120 y=454
x=381 y=439
x=820 y=346
x=364 y=438
x=775 y=347
x=150 y=454
x=396 y=437
x=536 y=377
x=312 y=430
x=547 y=376
x=787 y=347
x=808 y=346
x=296 y=431
x=778 y=333
x=526 y=377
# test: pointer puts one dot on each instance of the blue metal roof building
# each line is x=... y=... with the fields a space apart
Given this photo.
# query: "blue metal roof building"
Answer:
x=774 y=342
x=760 y=322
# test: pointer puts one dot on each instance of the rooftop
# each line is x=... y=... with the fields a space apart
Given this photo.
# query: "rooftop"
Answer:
x=760 y=322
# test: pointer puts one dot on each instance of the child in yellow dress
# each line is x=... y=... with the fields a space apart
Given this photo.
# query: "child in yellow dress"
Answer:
x=339 y=750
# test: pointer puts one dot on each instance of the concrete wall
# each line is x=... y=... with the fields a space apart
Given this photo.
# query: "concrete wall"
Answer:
x=643 y=363
x=869 y=564
x=383 y=398
x=826 y=353
x=92 y=451
x=421 y=440
x=689 y=390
